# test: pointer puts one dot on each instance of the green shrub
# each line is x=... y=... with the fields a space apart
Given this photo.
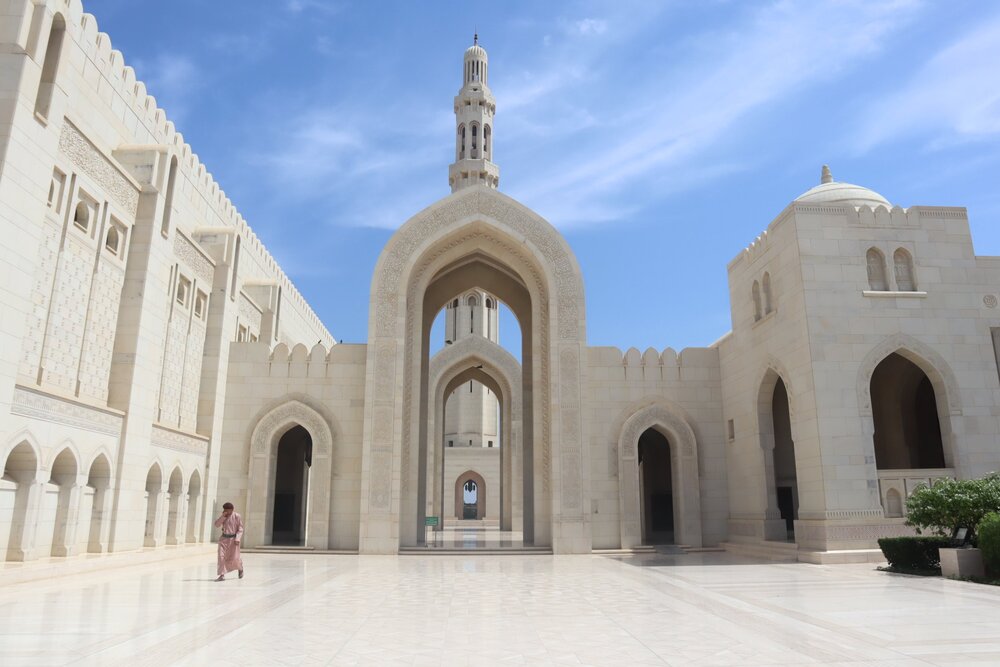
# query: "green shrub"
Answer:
x=951 y=504
x=989 y=542
x=913 y=553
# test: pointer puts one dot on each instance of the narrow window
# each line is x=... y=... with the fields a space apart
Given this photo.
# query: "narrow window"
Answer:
x=487 y=133
x=475 y=145
x=904 y=271
x=200 y=303
x=451 y=443
x=56 y=190
x=765 y=284
x=50 y=67
x=236 y=268
x=461 y=142
x=755 y=292
x=183 y=289
x=876 y=270
x=241 y=334
x=168 y=204
x=81 y=216
x=112 y=241
x=491 y=443
x=731 y=428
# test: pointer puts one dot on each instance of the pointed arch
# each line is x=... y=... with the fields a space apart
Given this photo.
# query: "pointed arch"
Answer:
x=947 y=396
x=475 y=237
x=460 y=482
x=266 y=433
x=875 y=261
x=670 y=421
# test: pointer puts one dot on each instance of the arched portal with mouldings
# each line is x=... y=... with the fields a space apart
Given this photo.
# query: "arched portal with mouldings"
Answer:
x=671 y=429
x=777 y=450
x=470 y=496
x=310 y=435
x=476 y=238
x=477 y=358
x=19 y=491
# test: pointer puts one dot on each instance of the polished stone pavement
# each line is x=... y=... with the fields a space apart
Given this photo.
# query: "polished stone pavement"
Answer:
x=653 y=609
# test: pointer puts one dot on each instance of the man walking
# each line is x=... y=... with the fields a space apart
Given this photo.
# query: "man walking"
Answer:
x=231 y=524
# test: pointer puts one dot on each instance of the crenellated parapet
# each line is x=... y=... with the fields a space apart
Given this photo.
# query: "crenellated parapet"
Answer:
x=138 y=110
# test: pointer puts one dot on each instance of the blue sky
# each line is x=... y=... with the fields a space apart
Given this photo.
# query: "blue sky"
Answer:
x=659 y=137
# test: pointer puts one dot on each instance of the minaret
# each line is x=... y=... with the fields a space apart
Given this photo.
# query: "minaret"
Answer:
x=474 y=109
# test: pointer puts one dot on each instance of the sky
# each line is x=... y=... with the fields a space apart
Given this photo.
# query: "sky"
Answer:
x=660 y=138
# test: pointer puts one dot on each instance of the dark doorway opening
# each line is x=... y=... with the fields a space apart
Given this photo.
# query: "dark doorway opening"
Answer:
x=656 y=481
x=291 y=487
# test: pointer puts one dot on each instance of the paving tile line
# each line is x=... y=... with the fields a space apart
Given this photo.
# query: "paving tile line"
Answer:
x=720 y=605
x=180 y=644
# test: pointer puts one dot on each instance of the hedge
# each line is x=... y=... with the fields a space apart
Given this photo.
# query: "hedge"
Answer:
x=989 y=542
x=913 y=553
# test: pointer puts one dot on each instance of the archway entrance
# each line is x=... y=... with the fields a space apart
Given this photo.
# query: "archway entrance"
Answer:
x=785 y=481
x=291 y=487
x=17 y=487
x=154 y=489
x=470 y=497
x=905 y=412
x=656 y=483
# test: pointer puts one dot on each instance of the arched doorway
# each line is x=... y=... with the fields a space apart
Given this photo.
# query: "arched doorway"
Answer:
x=18 y=490
x=659 y=497
x=786 y=486
x=476 y=239
x=470 y=496
x=657 y=492
x=60 y=504
x=291 y=487
x=154 y=490
x=175 y=507
x=905 y=413
x=98 y=487
x=194 y=508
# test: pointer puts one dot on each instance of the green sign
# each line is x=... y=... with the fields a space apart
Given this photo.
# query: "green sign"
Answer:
x=430 y=520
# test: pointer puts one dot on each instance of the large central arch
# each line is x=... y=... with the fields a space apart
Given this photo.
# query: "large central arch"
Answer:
x=475 y=238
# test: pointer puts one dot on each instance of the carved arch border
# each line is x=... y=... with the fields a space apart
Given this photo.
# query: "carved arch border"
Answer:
x=924 y=356
x=266 y=432
x=470 y=475
x=503 y=368
x=669 y=420
x=937 y=370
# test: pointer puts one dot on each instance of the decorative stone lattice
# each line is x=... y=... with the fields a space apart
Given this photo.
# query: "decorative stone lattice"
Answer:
x=92 y=162
x=250 y=314
x=52 y=409
x=67 y=316
x=179 y=442
x=200 y=265
x=48 y=255
x=95 y=367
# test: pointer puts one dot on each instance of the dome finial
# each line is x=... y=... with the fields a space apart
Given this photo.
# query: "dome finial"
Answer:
x=826 y=176
x=475 y=37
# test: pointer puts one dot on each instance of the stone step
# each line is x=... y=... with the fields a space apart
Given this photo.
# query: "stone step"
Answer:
x=784 y=552
x=475 y=551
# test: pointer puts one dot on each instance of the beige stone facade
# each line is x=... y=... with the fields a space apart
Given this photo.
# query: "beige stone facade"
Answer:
x=155 y=360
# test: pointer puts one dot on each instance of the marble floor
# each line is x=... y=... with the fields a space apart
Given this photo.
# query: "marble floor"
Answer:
x=653 y=609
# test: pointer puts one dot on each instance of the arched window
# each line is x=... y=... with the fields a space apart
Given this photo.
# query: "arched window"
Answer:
x=903 y=265
x=113 y=240
x=475 y=141
x=765 y=284
x=489 y=303
x=461 y=142
x=472 y=302
x=81 y=216
x=487 y=135
x=168 y=205
x=893 y=504
x=876 y=270
x=454 y=304
x=50 y=67
x=755 y=292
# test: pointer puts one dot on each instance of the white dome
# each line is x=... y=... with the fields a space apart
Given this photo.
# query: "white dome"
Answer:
x=832 y=192
x=475 y=52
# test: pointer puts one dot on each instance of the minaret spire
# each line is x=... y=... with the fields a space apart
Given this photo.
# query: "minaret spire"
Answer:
x=474 y=110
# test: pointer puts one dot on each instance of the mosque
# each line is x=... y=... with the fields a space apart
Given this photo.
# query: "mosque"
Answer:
x=155 y=360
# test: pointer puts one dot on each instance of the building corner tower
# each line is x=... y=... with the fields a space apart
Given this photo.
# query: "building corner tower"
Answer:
x=474 y=110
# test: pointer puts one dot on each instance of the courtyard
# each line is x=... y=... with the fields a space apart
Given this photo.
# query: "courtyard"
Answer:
x=650 y=609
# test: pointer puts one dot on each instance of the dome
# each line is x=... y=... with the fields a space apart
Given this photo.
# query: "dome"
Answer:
x=830 y=191
x=475 y=51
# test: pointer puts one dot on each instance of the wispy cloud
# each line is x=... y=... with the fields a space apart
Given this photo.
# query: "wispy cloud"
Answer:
x=953 y=98
x=589 y=27
x=328 y=7
x=775 y=54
